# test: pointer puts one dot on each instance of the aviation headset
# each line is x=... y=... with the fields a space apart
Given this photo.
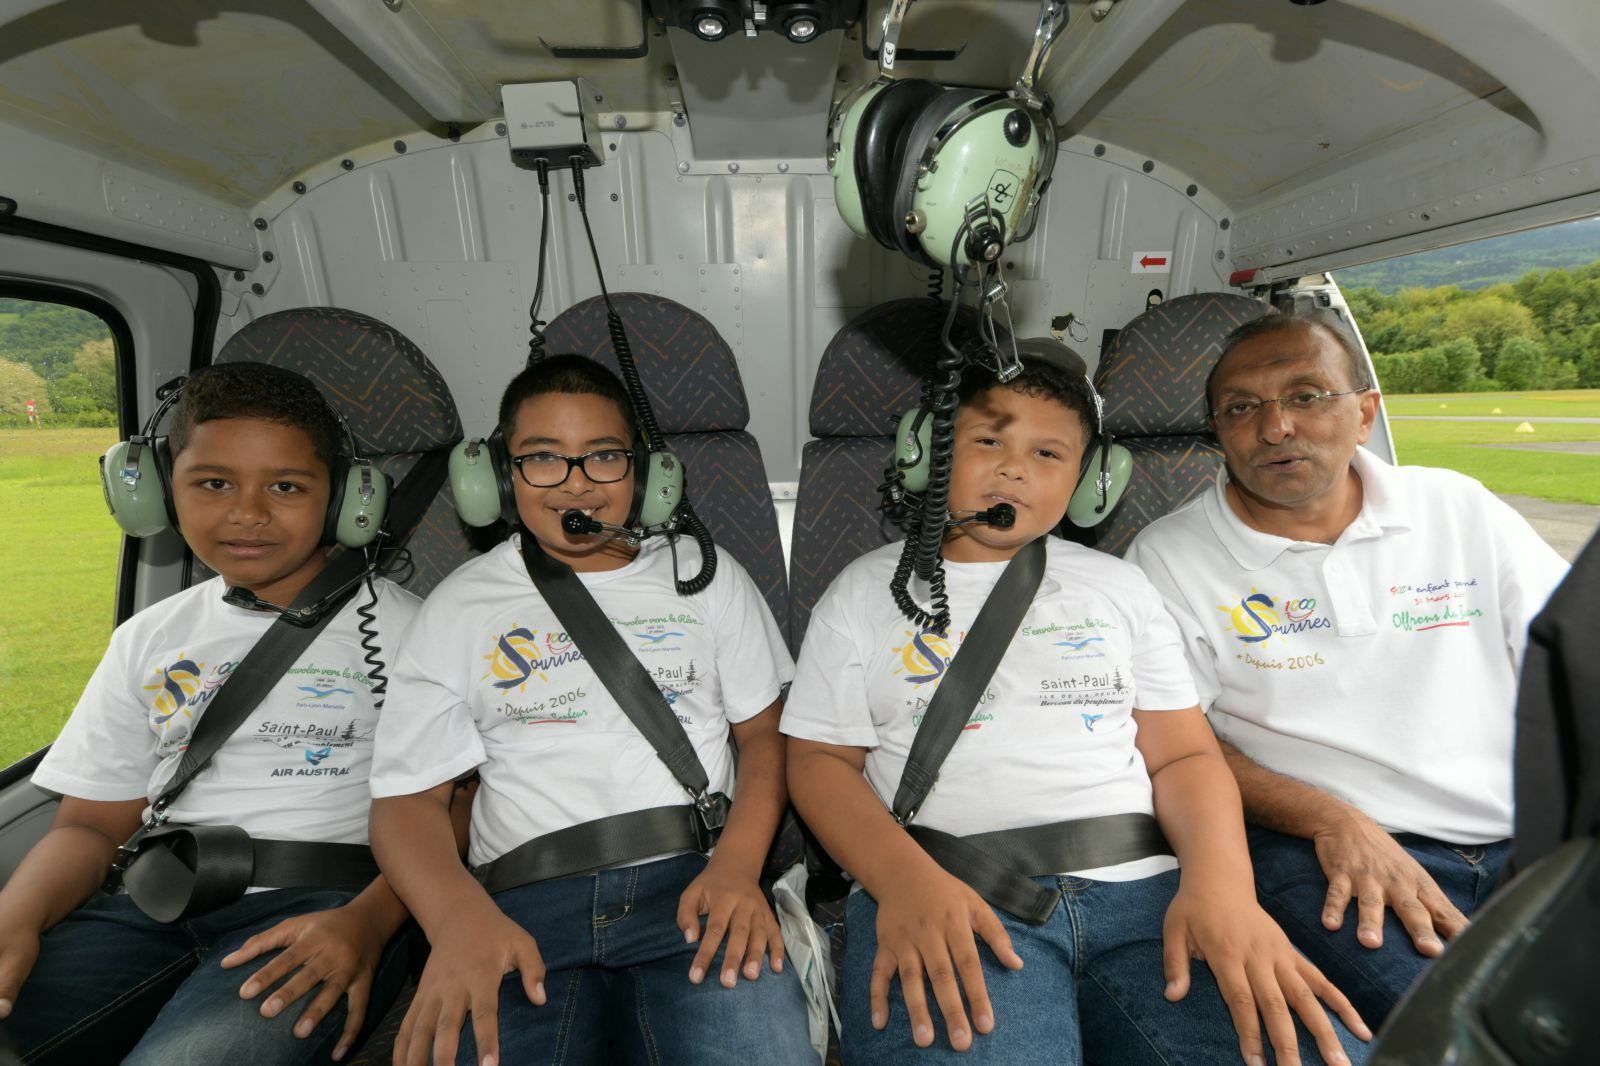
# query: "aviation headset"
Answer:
x=482 y=482
x=136 y=475
x=949 y=177
x=1107 y=466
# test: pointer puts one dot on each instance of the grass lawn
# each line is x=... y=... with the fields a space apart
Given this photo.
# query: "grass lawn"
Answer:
x=58 y=558
x=1546 y=475
x=1572 y=403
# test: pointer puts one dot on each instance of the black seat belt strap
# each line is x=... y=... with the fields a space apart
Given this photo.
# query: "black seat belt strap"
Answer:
x=1000 y=866
x=604 y=842
x=967 y=676
x=635 y=835
x=615 y=664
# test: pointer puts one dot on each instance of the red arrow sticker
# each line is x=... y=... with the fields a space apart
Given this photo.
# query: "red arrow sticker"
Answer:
x=1152 y=262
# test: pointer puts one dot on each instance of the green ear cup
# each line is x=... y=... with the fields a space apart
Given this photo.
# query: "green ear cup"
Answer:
x=135 y=493
x=911 y=445
x=842 y=159
x=977 y=161
x=474 y=483
x=363 y=506
x=663 y=489
x=1097 y=494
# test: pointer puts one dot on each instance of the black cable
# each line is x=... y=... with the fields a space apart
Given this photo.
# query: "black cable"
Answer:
x=654 y=439
x=535 y=323
x=368 y=627
x=922 y=552
x=936 y=284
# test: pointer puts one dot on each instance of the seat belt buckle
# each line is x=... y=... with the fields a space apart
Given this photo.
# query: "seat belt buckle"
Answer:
x=710 y=815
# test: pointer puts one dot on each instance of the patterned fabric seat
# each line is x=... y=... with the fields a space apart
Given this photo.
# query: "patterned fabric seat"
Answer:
x=1153 y=381
x=397 y=404
x=695 y=390
x=870 y=374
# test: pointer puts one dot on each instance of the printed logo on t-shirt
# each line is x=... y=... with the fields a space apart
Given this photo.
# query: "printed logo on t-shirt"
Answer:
x=657 y=633
x=181 y=689
x=319 y=688
x=1258 y=617
x=924 y=656
x=1430 y=605
x=1094 y=688
x=519 y=655
x=314 y=743
x=1085 y=639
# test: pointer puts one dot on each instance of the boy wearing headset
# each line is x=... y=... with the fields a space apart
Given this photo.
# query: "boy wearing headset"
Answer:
x=96 y=980
x=674 y=958
x=1090 y=713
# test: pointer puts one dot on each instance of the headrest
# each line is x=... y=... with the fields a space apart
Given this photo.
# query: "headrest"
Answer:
x=395 y=400
x=1154 y=377
x=686 y=367
x=871 y=371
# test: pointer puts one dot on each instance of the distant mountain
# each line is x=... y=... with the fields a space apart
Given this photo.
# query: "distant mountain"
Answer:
x=1483 y=263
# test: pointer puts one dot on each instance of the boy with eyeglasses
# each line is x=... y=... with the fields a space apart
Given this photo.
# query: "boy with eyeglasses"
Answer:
x=1355 y=630
x=675 y=958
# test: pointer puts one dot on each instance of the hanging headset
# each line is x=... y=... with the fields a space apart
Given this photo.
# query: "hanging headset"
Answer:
x=480 y=470
x=136 y=476
x=1103 y=474
x=949 y=177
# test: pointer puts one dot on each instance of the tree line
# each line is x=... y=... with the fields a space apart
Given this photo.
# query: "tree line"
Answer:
x=59 y=357
x=1541 y=331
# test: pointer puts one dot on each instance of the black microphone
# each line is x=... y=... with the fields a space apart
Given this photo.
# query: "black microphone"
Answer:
x=578 y=524
x=1000 y=516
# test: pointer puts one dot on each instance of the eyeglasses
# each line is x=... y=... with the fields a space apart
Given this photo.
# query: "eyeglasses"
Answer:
x=546 y=470
x=1240 y=411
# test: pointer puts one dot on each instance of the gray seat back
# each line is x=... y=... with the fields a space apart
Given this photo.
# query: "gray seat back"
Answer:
x=870 y=374
x=397 y=404
x=698 y=397
x=1153 y=380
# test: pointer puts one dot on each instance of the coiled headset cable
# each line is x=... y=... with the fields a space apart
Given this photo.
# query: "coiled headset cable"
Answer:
x=648 y=429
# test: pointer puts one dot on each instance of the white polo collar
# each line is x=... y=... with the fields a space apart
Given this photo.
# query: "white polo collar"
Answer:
x=1381 y=509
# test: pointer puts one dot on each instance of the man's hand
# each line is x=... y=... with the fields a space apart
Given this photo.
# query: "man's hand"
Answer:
x=925 y=929
x=19 y=950
x=1363 y=861
x=471 y=953
x=338 y=949
x=734 y=907
x=1258 y=973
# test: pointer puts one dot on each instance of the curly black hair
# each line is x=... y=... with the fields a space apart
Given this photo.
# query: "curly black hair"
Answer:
x=569 y=375
x=255 y=390
x=1050 y=371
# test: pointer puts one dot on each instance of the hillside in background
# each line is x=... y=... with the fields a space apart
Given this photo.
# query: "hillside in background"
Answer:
x=1482 y=263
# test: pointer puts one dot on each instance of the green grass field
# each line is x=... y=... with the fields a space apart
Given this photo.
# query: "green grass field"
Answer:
x=1572 y=403
x=1459 y=445
x=58 y=558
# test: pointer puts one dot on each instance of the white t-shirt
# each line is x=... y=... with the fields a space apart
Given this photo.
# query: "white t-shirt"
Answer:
x=296 y=769
x=486 y=678
x=1052 y=738
x=1381 y=668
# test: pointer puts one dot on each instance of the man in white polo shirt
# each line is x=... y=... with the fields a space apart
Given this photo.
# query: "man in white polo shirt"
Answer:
x=1355 y=631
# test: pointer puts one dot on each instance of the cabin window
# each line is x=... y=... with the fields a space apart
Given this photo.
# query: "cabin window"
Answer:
x=59 y=411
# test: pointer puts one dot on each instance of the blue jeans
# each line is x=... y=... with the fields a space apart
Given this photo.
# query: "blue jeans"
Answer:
x=1092 y=989
x=617 y=967
x=1292 y=888
x=112 y=984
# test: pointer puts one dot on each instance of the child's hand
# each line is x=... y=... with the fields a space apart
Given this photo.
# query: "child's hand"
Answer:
x=1257 y=972
x=735 y=908
x=925 y=929
x=470 y=955
x=338 y=949
x=19 y=950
